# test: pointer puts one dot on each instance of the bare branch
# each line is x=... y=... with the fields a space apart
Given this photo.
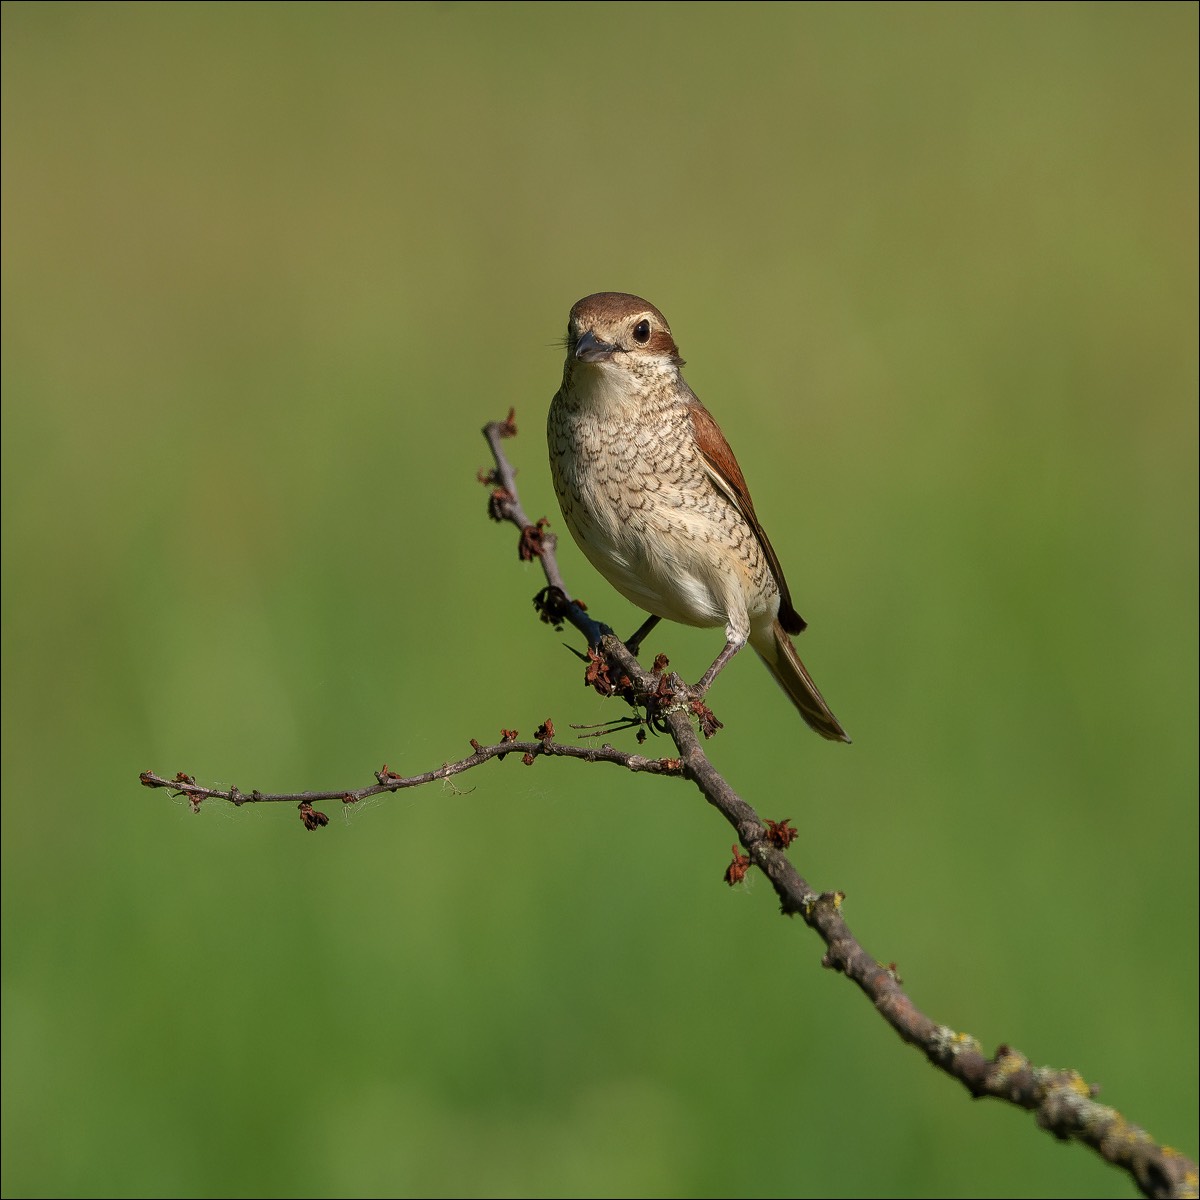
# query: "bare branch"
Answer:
x=1063 y=1102
x=389 y=781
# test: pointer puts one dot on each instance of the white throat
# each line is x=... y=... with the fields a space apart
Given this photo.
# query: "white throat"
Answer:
x=612 y=386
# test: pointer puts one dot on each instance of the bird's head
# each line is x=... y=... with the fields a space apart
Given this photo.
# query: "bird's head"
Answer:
x=614 y=334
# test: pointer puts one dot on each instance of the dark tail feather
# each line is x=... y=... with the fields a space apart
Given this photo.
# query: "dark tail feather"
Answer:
x=777 y=651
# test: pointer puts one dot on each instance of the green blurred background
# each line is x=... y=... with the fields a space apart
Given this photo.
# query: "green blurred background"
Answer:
x=268 y=270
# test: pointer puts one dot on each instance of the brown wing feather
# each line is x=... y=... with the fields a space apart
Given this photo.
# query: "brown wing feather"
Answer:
x=727 y=475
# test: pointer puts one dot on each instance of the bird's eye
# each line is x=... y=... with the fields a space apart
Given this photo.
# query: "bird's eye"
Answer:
x=641 y=332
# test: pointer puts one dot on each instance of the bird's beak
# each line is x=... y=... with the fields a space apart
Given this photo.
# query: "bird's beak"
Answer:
x=592 y=349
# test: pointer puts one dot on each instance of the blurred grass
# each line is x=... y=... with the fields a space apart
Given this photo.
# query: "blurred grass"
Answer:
x=268 y=269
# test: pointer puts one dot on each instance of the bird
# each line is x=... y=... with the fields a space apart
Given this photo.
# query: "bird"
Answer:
x=654 y=497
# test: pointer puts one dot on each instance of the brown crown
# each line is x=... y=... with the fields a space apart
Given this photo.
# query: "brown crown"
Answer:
x=612 y=307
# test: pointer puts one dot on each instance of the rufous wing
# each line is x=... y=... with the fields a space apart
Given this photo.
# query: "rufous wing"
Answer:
x=727 y=475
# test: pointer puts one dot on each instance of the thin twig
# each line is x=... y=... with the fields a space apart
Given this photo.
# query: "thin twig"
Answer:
x=390 y=781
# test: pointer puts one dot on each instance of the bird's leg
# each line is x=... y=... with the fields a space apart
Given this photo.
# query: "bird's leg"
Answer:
x=634 y=643
x=732 y=646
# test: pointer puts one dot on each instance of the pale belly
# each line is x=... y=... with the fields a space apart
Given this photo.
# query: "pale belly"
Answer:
x=667 y=540
x=664 y=575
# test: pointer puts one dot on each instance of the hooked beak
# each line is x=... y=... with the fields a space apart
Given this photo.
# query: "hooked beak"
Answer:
x=592 y=349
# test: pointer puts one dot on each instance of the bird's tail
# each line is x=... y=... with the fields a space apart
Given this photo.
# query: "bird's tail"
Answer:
x=776 y=650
